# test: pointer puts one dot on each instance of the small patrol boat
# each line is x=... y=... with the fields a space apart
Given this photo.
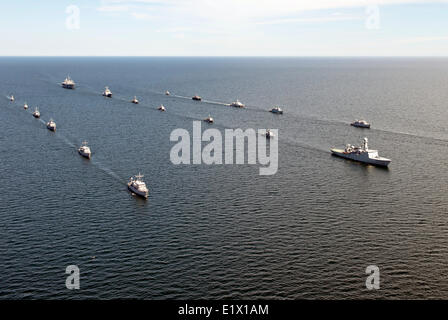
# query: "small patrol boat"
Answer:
x=36 y=113
x=107 y=93
x=360 y=124
x=138 y=186
x=209 y=119
x=237 y=104
x=51 y=125
x=84 y=150
x=269 y=134
x=277 y=110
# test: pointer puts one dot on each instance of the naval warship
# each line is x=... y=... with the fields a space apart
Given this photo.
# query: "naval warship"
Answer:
x=68 y=83
x=237 y=104
x=107 y=93
x=361 y=154
x=138 y=186
x=84 y=150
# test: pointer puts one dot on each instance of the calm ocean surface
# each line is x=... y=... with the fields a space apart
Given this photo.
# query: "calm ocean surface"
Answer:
x=224 y=231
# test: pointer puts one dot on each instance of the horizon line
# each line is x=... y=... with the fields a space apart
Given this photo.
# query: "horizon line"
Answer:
x=217 y=56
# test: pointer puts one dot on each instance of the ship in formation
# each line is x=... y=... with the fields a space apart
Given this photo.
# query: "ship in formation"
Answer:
x=84 y=150
x=361 y=154
x=36 y=113
x=137 y=186
x=269 y=134
x=360 y=124
x=107 y=93
x=68 y=83
x=51 y=125
x=209 y=119
x=237 y=104
x=276 y=110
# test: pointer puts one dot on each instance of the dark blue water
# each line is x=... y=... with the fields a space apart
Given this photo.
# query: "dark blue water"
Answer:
x=223 y=231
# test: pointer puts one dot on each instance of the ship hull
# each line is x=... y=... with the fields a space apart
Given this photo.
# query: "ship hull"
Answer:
x=137 y=192
x=51 y=128
x=85 y=155
x=107 y=95
x=365 y=126
x=68 y=86
x=36 y=116
x=375 y=162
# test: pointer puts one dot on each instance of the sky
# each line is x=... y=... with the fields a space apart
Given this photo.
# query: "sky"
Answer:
x=224 y=28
